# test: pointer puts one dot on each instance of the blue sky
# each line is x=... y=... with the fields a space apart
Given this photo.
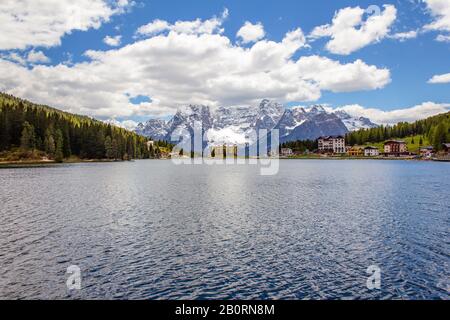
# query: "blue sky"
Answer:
x=411 y=62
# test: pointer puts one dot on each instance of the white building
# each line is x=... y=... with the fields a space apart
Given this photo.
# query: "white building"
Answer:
x=286 y=152
x=371 y=152
x=334 y=144
x=150 y=144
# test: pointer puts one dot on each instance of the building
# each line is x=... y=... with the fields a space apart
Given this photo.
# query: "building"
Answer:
x=371 y=152
x=150 y=144
x=286 y=152
x=333 y=144
x=222 y=151
x=426 y=152
x=395 y=148
x=356 y=151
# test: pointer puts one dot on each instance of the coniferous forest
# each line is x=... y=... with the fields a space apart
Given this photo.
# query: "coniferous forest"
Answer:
x=435 y=128
x=31 y=131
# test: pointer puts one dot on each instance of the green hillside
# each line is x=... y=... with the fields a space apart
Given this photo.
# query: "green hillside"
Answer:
x=433 y=131
x=32 y=131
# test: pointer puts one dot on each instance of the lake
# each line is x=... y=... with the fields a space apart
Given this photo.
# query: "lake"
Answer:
x=154 y=230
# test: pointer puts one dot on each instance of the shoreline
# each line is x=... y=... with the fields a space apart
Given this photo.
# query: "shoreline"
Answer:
x=39 y=163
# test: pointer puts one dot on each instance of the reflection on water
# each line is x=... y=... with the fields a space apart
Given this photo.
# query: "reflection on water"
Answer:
x=152 y=230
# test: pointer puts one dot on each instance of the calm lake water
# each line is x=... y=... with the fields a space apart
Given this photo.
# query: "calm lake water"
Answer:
x=153 y=230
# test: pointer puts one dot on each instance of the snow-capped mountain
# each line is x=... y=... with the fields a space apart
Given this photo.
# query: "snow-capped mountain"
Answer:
x=236 y=124
x=155 y=128
x=355 y=123
x=301 y=124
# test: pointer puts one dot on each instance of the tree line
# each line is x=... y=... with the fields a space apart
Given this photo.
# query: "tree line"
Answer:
x=435 y=128
x=30 y=127
x=300 y=146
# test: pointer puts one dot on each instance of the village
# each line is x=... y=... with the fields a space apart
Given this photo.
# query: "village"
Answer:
x=335 y=146
x=331 y=147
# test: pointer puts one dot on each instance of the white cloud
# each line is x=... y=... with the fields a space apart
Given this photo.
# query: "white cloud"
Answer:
x=349 y=32
x=442 y=78
x=210 y=26
x=181 y=67
x=402 y=36
x=33 y=57
x=15 y=57
x=442 y=38
x=251 y=32
x=37 y=57
x=422 y=111
x=126 y=124
x=33 y=23
x=336 y=77
x=440 y=10
x=113 y=41
x=154 y=27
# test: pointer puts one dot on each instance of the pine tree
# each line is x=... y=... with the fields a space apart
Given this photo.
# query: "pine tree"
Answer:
x=108 y=148
x=49 y=143
x=115 y=149
x=28 y=138
x=59 y=155
x=440 y=136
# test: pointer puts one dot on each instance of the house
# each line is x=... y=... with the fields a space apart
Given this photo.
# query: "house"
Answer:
x=426 y=152
x=395 y=148
x=356 y=151
x=333 y=144
x=371 y=151
x=286 y=152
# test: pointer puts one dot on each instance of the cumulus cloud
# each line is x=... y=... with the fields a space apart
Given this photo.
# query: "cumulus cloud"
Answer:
x=440 y=10
x=179 y=66
x=33 y=23
x=251 y=32
x=37 y=57
x=442 y=78
x=334 y=76
x=198 y=26
x=32 y=57
x=349 y=32
x=113 y=41
x=424 y=110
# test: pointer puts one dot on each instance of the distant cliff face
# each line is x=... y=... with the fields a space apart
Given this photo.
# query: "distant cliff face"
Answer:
x=235 y=124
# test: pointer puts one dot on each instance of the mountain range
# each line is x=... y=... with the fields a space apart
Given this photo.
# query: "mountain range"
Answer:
x=233 y=125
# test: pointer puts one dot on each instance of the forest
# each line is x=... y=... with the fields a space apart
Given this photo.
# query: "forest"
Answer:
x=300 y=146
x=435 y=128
x=31 y=131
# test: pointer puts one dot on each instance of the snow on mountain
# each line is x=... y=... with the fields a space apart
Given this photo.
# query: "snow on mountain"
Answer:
x=354 y=123
x=154 y=128
x=235 y=125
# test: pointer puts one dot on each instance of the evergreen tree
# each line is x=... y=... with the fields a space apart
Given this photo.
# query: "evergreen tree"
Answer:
x=49 y=143
x=114 y=149
x=440 y=136
x=28 y=138
x=108 y=148
x=59 y=155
